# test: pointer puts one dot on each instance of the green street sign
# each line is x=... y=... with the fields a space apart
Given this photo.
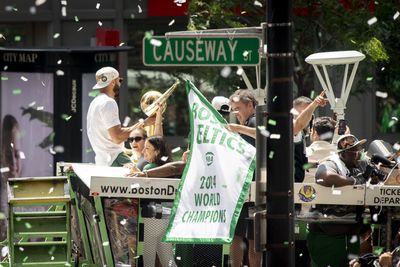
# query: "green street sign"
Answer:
x=201 y=51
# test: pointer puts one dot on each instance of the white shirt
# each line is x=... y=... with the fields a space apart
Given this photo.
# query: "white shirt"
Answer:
x=102 y=115
x=319 y=151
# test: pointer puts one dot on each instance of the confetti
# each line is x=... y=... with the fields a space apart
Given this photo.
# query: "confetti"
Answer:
x=64 y=2
x=52 y=258
x=123 y=222
x=381 y=94
x=312 y=94
x=139 y=9
x=24 y=78
x=226 y=71
x=25 y=259
x=43 y=84
x=5 y=67
x=271 y=154
x=79 y=29
x=155 y=42
x=76 y=18
x=263 y=131
x=127 y=120
x=239 y=71
x=66 y=117
x=100 y=23
x=307 y=166
x=2 y=216
x=243 y=12
x=353 y=239
x=275 y=136
x=375 y=217
x=272 y=122
x=32 y=104
x=396 y=15
x=274 y=98
x=4 y=170
x=17 y=91
x=106 y=244
x=93 y=93
x=32 y=10
x=171 y=22
x=336 y=192
x=176 y=149
x=256 y=3
x=4 y=78
x=28 y=225
x=369 y=78
x=40 y=2
x=164 y=158
x=51 y=150
x=52 y=249
x=59 y=149
x=2 y=36
x=51 y=190
x=135 y=185
x=17 y=38
x=22 y=155
x=97 y=5
x=372 y=20
x=63 y=11
x=60 y=73
x=396 y=146
x=121 y=44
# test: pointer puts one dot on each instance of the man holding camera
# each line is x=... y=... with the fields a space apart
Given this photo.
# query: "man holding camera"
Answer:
x=334 y=244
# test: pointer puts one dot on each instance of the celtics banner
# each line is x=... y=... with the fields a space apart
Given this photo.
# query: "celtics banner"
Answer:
x=216 y=179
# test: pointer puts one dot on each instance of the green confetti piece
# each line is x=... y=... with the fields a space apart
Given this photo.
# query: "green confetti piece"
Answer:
x=391 y=123
x=4 y=78
x=93 y=93
x=312 y=94
x=17 y=38
x=76 y=19
x=370 y=78
x=273 y=99
x=28 y=225
x=52 y=249
x=2 y=216
x=17 y=91
x=66 y=117
x=25 y=259
x=307 y=166
x=136 y=109
x=272 y=122
x=271 y=154
x=148 y=35
x=286 y=242
x=354 y=42
x=378 y=250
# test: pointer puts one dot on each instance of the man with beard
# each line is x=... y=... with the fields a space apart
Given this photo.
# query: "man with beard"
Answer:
x=103 y=125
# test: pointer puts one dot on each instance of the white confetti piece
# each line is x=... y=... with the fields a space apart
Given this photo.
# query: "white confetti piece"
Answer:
x=22 y=155
x=2 y=36
x=127 y=120
x=375 y=217
x=178 y=258
x=51 y=150
x=396 y=146
x=51 y=190
x=40 y=108
x=256 y=3
x=275 y=136
x=263 y=131
x=52 y=258
x=372 y=20
x=176 y=149
x=79 y=29
x=164 y=158
x=155 y=42
x=336 y=192
x=226 y=71
x=63 y=11
x=44 y=85
x=60 y=73
x=100 y=23
x=2 y=216
x=383 y=68
x=320 y=180
x=76 y=19
x=106 y=244
x=59 y=149
x=135 y=185
x=64 y=2
x=56 y=35
x=395 y=119
x=121 y=44
x=4 y=169
x=97 y=5
x=32 y=104
x=123 y=222
x=4 y=252
x=139 y=9
x=24 y=78
x=396 y=15
x=40 y=2
x=171 y=22
x=243 y=12
x=239 y=71
x=5 y=67
x=32 y=10
x=353 y=239
x=59 y=61
x=381 y=94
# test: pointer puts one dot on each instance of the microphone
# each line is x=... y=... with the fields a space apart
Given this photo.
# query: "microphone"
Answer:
x=376 y=158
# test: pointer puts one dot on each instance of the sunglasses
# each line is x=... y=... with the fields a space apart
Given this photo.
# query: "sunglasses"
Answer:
x=120 y=80
x=136 y=139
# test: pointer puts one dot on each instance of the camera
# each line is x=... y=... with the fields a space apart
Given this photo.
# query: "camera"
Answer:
x=373 y=171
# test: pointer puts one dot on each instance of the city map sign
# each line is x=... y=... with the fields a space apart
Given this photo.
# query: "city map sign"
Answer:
x=201 y=51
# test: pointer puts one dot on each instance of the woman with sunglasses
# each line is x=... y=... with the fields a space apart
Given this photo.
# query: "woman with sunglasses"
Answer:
x=136 y=142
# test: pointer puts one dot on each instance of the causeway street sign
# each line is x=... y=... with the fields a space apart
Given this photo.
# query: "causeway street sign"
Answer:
x=201 y=51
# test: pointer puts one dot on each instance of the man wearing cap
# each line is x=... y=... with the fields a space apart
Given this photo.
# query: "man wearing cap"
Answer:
x=103 y=125
x=330 y=243
x=221 y=104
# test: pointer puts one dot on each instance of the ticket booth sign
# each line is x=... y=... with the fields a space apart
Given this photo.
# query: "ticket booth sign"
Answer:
x=382 y=196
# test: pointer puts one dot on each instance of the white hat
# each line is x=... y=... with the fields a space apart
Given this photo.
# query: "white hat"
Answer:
x=221 y=104
x=104 y=77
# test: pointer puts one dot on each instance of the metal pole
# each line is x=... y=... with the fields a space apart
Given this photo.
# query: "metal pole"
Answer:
x=280 y=208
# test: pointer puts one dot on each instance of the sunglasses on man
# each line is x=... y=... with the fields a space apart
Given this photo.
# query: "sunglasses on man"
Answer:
x=136 y=139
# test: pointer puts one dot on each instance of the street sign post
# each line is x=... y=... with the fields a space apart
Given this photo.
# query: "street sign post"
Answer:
x=201 y=51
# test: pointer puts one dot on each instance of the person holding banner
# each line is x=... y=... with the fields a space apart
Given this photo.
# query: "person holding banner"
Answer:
x=243 y=105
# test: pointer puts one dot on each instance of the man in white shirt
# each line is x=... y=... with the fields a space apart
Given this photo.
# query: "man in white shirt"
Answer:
x=321 y=136
x=103 y=125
